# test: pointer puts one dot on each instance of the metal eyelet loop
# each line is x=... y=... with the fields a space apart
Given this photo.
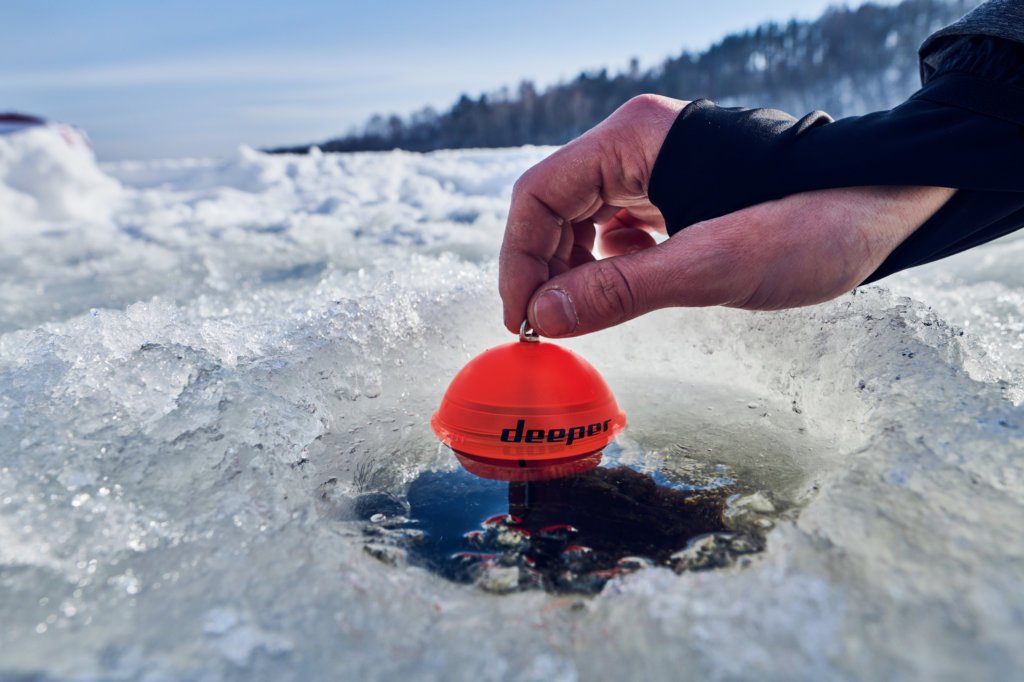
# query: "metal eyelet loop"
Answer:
x=526 y=333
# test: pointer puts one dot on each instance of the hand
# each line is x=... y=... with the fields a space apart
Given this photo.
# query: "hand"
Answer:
x=556 y=204
x=799 y=250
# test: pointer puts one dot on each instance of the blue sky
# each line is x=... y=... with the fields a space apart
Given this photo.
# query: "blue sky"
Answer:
x=151 y=79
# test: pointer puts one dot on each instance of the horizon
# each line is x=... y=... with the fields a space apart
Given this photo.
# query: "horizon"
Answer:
x=192 y=79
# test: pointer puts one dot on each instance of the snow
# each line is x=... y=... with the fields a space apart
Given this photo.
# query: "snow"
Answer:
x=47 y=175
x=193 y=351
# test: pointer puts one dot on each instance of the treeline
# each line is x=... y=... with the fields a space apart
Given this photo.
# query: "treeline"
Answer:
x=848 y=61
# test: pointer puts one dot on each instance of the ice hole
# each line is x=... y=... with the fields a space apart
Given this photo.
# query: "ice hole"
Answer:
x=570 y=534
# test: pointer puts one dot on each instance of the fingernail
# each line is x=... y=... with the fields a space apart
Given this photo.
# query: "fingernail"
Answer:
x=554 y=315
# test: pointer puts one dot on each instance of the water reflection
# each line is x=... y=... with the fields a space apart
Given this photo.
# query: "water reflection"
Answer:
x=568 y=527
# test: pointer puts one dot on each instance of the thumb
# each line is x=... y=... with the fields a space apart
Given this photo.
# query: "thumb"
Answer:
x=607 y=292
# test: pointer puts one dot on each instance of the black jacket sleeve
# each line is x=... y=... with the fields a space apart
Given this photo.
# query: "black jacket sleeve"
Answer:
x=964 y=129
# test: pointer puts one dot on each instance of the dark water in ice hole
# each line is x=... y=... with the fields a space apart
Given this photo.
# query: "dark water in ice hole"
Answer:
x=569 y=534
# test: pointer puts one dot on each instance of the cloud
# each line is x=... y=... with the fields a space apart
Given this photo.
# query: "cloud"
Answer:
x=291 y=66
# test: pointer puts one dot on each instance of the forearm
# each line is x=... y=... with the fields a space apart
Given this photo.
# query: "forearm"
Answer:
x=963 y=130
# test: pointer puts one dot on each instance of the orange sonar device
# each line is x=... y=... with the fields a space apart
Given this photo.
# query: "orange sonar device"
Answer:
x=529 y=406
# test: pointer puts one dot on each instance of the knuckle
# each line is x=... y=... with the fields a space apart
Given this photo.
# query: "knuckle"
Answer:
x=646 y=105
x=523 y=183
x=611 y=295
x=530 y=180
x=641 y=102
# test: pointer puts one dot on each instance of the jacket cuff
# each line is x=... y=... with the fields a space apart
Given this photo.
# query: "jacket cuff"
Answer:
x=960 y=130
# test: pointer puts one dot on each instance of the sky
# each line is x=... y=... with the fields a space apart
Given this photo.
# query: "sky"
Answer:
x=148 y=79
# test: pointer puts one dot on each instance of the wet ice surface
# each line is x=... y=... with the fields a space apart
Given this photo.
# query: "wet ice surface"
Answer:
x=207 y=365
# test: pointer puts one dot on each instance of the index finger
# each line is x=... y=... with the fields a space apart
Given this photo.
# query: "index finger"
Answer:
x=546 y=201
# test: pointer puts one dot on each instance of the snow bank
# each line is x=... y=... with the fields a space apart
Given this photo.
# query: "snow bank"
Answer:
x=48 y=174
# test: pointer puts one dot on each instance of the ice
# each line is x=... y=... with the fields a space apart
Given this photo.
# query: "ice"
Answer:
x=205 y=364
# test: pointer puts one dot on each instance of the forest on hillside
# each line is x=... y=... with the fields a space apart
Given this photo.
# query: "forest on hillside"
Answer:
x=846 y=62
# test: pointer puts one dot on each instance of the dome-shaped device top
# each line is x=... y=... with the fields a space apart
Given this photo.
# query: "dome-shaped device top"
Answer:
x=528 y=402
